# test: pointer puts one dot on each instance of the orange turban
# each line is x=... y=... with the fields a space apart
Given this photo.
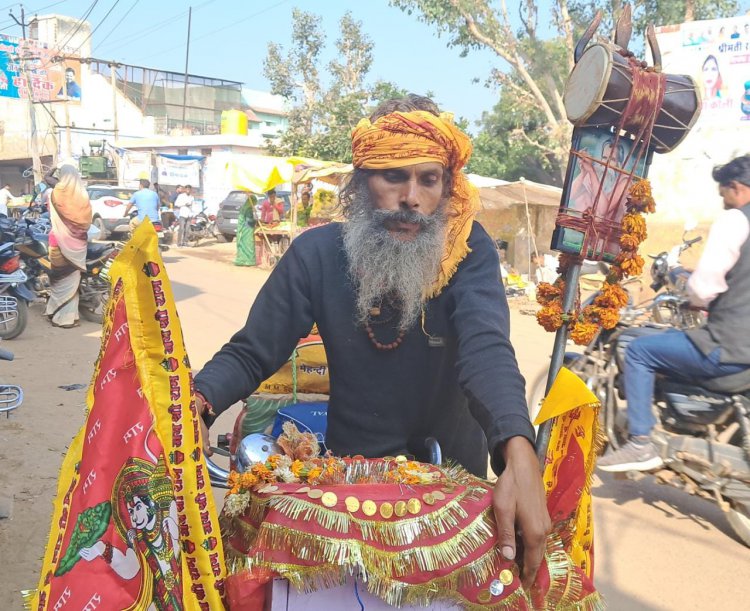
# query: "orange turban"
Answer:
x=406 y=138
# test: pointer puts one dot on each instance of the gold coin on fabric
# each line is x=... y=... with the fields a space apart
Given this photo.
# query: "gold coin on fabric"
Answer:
x=414 y=506
x=271 y=488
x=439 y=496
x=302 y=490
x=386 y=510
x=484 y=596
x=329 y=499
x=401 y=458
x=428 y=498
x=369 y=508
x=506 y=577
x=400 y=508
x=449 y=489
x=352 y=504
x=315 y=493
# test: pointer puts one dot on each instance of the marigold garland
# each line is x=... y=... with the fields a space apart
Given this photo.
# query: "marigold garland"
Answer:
x=605 y=310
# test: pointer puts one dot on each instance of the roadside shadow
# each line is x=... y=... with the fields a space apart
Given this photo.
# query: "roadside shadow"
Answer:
x=672 y=502
x=183 y=292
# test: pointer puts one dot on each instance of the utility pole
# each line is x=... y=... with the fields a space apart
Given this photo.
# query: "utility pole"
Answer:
x=113 y=84
x=33 y=143
x=187 y=57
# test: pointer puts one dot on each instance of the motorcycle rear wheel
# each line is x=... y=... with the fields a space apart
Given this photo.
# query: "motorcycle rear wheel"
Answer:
x=15 y=327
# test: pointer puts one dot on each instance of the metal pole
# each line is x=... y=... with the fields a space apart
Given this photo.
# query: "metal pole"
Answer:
x=113 y=85
x=187 y=57
x=558 y=355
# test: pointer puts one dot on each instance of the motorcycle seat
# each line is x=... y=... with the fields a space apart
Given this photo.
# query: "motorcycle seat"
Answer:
x=95 y=251
x=731 y=384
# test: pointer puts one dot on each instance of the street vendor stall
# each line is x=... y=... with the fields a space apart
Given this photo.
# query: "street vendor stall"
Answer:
x=260 y=175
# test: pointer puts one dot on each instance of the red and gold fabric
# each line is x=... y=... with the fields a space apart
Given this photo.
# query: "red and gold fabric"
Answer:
x=415 y=543
x=406 y=138
x=134 y=524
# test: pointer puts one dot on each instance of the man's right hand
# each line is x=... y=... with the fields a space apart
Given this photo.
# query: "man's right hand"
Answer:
x=200 y=407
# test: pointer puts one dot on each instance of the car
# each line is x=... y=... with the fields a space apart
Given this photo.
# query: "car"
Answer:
x=229 y=211
x=108 y=205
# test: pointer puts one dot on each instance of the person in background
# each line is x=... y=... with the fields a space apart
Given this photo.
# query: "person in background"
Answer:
x=721 y=347
x=502 y=253
x=184 y=210
x=175 y=194
x=303 y=209
x=146 y=202
x=70 y=216
x=246 y=233
x=5 y=197
x=271 y=210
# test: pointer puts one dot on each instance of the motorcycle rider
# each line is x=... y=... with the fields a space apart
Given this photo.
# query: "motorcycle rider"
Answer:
x=721 y=282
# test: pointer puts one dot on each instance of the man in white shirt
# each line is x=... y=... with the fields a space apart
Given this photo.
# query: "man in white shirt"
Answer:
x=721 y=347
x=5 y=197
x=184 y=209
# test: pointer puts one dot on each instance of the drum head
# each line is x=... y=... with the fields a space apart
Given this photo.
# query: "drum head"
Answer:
x=587 y=83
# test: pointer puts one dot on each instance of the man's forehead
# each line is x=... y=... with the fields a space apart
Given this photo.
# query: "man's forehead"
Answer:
x=420 y=168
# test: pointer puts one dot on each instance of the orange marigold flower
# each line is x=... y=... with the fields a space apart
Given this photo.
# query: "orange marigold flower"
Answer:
x=248 y=479
x=640 y=189
x=612 y=295
x=297 y=467
x=262 y=472
x=550 y=317
x=273 y=461
x=634 y=224
x=546 y=293
x=628 y=241
x=314 y=474
x=608 y=317
x=583 y=332
x=632 y=266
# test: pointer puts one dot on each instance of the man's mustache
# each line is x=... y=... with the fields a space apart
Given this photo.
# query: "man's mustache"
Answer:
x=387 y=217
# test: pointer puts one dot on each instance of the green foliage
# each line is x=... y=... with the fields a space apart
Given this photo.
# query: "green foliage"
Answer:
x=91 y=524
x=322 y=118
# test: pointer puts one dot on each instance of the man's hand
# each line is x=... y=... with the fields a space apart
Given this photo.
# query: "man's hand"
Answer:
x=520 y=504
x=200 y=407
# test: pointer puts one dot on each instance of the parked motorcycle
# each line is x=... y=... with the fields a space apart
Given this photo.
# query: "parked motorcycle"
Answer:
x=13 y=291
x=703 y=434
x=200 y=227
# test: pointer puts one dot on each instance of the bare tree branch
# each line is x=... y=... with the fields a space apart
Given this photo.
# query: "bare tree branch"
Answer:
x=567 y=28
x=522 y=133
x=513 y=59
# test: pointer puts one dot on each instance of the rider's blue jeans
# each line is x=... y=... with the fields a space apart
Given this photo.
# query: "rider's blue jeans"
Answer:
x=670 y=353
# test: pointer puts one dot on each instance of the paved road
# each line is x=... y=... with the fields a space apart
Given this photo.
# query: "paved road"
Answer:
x=657 y=548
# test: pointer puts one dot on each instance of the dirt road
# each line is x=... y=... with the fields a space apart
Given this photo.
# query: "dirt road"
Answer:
x=657 y=549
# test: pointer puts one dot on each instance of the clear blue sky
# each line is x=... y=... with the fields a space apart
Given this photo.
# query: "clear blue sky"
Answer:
x=229 y=39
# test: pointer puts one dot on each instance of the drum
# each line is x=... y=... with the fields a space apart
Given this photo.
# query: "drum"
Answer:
x=599 y=87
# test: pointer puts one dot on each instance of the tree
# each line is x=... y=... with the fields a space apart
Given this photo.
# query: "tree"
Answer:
x=322 y=117
x=533 y=71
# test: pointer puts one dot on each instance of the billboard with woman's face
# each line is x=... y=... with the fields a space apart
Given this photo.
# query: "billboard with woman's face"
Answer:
x=716 y=54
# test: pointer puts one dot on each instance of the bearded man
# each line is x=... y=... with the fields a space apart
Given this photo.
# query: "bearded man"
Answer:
x=415 y=324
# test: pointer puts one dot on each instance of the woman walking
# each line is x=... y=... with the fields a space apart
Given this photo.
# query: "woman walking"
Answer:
x=70 y=215
x=246 y=233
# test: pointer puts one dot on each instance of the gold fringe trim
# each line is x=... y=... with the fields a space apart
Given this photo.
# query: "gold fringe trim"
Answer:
x=321 y=549
x=397 y=533
x=28 y=598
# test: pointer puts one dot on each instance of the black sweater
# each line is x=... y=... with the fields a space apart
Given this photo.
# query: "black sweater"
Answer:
x=467 y=391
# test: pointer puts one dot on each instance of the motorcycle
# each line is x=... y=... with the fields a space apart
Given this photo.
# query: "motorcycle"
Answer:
x=703 y=430
x=13 y=291
x=200 y=227
x=33 y=246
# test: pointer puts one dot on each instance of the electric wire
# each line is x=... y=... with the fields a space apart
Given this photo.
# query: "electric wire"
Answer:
x=85 y=40
x=117 y=25
x=80 y=23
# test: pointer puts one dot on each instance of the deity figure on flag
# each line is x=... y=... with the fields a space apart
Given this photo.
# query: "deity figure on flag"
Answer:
x=144 y=500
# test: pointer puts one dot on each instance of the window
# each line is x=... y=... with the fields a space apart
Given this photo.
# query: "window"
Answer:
x=206 y=152
x=182 y=151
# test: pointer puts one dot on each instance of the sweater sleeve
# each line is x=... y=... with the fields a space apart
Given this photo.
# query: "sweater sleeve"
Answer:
x=279 y=317
x=487 y=369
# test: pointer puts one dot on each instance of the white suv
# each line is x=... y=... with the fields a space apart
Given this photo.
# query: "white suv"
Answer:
x=108 y=205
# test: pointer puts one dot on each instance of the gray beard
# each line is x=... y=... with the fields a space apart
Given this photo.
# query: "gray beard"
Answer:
x=381 y=267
